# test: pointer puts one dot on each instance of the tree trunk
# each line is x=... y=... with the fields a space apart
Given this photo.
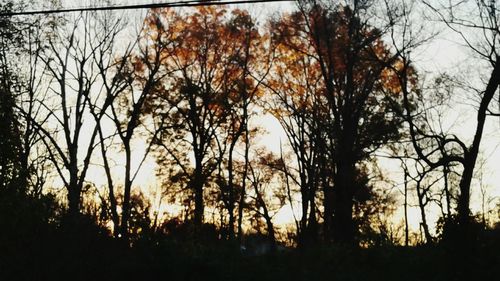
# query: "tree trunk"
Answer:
x=303 y=220
x=406 y=208
x=267 y=217
x=343 y=224
x=198 y=194
x=241 y=203
x=231 y=219
x=471 y=156
x=126 y=191
x=74 y=188
x=328 y=212
x=231 y=200
x=312 y=224
x=447 y=191
x=73 y=202
x=271 y=233
x=425 y=226
x=112 y=199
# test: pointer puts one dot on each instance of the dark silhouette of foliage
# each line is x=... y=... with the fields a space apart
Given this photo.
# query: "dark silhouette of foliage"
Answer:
x=10 y=127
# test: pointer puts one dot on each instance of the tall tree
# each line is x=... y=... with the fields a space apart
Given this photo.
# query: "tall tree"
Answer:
x=267 y=199
x=297 y=102
x=208 y=64
x=123 y=75
x=241 y=90
x=347 y=69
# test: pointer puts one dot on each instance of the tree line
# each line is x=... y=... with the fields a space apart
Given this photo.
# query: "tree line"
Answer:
x=340 y=78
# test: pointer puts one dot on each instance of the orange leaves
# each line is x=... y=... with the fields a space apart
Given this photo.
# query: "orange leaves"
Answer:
x=138 y=65
x=390 y=81
x=331 y=53
x=390 y=78
x=295 y=74
x=209 y=48
x=208 y=44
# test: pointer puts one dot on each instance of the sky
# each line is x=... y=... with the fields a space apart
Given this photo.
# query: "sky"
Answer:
x=445 y=53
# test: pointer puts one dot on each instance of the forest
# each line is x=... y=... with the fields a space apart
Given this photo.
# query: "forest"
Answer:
x=261 y=140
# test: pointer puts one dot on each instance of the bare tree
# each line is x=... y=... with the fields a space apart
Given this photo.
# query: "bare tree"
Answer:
x=442 y=149
x=142 y=74
x=72 y=92
x=115 y=70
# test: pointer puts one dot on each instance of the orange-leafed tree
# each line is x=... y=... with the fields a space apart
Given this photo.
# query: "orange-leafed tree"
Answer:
x=241 y=88
x=207 y=77
x=331 y=75
x=298 y=104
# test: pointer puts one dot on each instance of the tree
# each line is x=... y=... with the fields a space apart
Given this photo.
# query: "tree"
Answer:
x=35 y=160
x=115 y=69
x=297 y=103
x=267 y=199
x=348 y=75
x=20 y=138
x=242 y=90
x=128 y=82
x=441 y=149
x=208 y=63
x=70 y=53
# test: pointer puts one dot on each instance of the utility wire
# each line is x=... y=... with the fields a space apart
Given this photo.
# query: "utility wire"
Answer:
x=141 y=6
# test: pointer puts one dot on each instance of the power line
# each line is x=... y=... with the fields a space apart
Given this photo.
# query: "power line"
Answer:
x=142 y=6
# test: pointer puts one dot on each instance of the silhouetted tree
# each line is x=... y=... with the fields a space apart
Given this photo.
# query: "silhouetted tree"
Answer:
x=10 y=131
x=301 y=112
x=242 y=88
x=70 y=53
x=268 y=197
x=441 y=149
x=128 y=78
x=208 y=63
x=346 y=71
